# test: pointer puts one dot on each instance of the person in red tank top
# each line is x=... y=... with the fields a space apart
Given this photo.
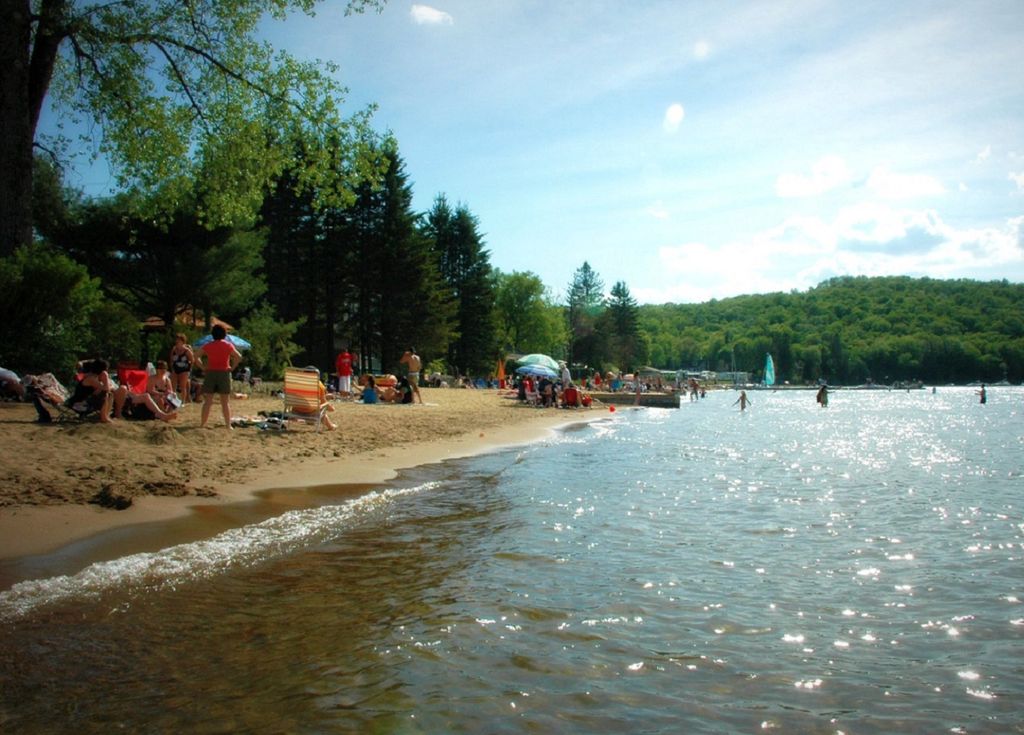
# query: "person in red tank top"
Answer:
x=219 y=358
x=343 y=367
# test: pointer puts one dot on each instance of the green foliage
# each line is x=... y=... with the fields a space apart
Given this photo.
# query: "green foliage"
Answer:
x=465 y=268
x=164 y=79
x=272 y=346
x=852 y=329
x=527 y=319
x=155 y=268
x=176 y=92
x=114 y=332
x=363 y=276
x=585 y=302
x=397 y=276
x=625 y=343
x=48 y=302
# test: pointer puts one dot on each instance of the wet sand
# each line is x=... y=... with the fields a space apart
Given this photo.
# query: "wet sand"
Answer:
x=63 y=483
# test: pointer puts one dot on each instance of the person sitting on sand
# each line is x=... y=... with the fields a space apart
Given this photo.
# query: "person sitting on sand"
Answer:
x=139 y=406
x=405 y=391
x=93 y=392
x=369 y=394
x=414 y=364
x=547 y=392
x=155 y=403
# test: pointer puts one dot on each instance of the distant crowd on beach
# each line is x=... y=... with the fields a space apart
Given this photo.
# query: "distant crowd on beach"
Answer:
x=159 y=391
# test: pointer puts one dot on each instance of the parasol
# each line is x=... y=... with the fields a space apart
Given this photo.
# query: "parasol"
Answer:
x=537 y=358
x=539 y=371
x=233 y=339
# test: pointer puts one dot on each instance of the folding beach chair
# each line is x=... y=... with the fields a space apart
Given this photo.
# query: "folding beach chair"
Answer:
x=47 y=392
x=302 y=397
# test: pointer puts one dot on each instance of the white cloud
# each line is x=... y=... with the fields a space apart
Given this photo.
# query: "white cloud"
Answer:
x=866 y=239
x=658 y=210
x=1018 y=179
x=829 y=172
x=673 y=117
x=985 y=153
x=889 y=185
x=701 y=50
x=426 y=15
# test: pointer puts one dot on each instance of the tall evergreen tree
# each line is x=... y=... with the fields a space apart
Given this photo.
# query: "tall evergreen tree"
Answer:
x=294 y=263
x=155 y=268
x=409 y=305
x=620 y=324
x=584 y=305
x=465 y=268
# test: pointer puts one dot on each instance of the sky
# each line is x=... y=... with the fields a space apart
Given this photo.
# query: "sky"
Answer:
x=699 y=150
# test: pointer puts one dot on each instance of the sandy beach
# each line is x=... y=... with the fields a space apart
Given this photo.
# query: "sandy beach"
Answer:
x=63 y=482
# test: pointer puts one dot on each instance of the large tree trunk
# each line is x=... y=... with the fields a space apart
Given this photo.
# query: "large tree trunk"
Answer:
x=26 y=68
x=16 y=129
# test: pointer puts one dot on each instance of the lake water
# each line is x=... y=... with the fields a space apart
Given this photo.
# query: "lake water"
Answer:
x=855 y=569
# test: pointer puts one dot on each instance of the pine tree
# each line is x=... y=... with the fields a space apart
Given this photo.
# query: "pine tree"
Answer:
x=621 y=321
x=585 y=303
x=466 y=270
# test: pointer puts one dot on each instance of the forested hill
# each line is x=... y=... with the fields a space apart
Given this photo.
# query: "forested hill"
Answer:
x=850 y=330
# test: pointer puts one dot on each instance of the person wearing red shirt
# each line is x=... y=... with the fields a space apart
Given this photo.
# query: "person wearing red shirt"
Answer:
x=218 y=358
x=343 y=366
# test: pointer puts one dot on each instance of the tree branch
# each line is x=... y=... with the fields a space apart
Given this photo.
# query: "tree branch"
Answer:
x=212 y=60
x=186 y=87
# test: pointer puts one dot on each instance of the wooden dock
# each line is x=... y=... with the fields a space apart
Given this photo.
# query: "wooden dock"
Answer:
x=649 y=400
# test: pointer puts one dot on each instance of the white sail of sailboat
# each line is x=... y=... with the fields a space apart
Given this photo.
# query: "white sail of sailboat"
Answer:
x=769 y=371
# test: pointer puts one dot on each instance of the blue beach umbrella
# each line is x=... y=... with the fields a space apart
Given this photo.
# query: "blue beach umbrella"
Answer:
x=537 y=358
x=538 y=371
x=233 y=339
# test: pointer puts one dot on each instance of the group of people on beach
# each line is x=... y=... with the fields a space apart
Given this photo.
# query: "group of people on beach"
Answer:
x=167 y=385
x=549 y=392
x=404 y=389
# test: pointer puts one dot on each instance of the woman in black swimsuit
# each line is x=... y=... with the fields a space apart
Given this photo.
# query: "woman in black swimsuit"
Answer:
x=182 y=358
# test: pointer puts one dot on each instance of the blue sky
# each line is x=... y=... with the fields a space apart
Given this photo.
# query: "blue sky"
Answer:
x=701 y=150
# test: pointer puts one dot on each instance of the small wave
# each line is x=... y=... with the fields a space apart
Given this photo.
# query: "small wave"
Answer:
x=202 y=559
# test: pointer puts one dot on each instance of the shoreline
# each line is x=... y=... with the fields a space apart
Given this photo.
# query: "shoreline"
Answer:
x=68 y=526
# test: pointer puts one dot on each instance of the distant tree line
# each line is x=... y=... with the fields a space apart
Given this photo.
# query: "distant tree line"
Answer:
x=850 y=330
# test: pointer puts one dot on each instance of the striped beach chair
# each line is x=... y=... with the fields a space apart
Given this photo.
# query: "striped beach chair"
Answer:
x=303 y=399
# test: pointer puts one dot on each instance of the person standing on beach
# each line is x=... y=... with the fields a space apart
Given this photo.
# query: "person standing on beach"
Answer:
x=343 y=366
x=219 y=358
x=182 y=358
x=743 y=401
x=412 y=361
